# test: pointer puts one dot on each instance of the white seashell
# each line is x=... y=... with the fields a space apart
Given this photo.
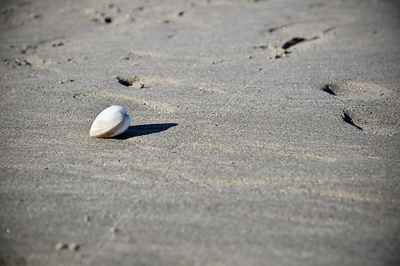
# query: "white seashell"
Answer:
x=111 y=122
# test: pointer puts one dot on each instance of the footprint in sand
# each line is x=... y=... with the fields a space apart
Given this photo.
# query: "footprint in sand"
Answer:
x=357 y=90
x=25 y=61
x=130 y=81
x=284 y=50
x=368 y=107
x=108 y=14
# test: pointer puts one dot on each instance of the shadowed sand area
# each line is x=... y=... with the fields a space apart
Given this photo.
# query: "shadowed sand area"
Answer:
x=262 y=133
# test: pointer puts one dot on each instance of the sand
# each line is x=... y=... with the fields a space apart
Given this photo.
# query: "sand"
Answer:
x=263 y=132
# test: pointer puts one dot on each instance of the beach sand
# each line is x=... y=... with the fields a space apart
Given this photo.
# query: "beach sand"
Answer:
x=263 y=132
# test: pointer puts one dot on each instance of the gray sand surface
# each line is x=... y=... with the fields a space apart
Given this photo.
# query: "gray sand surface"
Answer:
x=263 y=132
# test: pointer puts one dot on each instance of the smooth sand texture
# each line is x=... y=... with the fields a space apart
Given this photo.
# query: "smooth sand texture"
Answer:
x=240 y=152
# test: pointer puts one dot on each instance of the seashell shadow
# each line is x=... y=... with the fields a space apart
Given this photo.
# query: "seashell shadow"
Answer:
x=140 y=130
